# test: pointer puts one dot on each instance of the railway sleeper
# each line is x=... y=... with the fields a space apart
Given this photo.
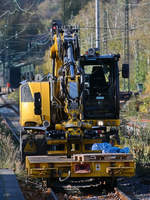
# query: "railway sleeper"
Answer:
x=83 y=186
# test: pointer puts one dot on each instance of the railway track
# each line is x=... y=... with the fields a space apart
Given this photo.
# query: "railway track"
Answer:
x=10 y=114
x=121 y=194
x=90 y=192
x=70 y=194
x=116 y=195
x=9 y=104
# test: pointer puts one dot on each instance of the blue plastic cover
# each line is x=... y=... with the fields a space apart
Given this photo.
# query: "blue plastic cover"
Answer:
x=108 y=148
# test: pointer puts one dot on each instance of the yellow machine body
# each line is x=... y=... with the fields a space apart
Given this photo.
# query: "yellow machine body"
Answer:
x=27 y=116
x=70 y=133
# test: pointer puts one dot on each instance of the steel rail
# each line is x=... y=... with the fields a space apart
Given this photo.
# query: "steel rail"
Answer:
x=12 y=128
x=6 y=104
x=8 y=122
x=121 y=195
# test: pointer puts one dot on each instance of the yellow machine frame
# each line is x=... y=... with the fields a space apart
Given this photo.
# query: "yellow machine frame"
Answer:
x=100 y=165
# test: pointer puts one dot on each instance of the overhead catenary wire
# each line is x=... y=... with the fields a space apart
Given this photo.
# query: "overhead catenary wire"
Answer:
x=89 y=27
x=39 y=41
x=112 y=28
x=139 y=4
x=15 y=34
x=130 y=4
x=8 y=12
x=18 y=8
x=47 y=36
x=25 y=10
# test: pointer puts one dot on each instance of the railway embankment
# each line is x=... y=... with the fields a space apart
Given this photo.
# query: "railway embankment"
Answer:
x=9 y=152
x=135 y=133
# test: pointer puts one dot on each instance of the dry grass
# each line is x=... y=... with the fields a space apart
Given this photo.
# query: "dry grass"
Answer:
x=14 y=96
x=134 y=133
x=146 y=84
x=138 y=140
x=9 y=152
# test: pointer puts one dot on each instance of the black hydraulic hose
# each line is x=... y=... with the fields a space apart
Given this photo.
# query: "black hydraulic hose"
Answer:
x=64 y=179
x=53 y=64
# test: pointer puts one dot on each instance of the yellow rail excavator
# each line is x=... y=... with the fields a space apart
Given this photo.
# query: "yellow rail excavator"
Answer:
x=70 y=110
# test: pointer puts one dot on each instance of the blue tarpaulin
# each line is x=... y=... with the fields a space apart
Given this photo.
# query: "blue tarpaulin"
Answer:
x=108 y=148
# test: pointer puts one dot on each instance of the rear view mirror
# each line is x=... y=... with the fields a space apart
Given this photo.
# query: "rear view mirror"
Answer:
x=125 y=70
x=37 y=103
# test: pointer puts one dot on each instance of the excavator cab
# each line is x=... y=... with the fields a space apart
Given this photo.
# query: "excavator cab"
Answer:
x=100 y=86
